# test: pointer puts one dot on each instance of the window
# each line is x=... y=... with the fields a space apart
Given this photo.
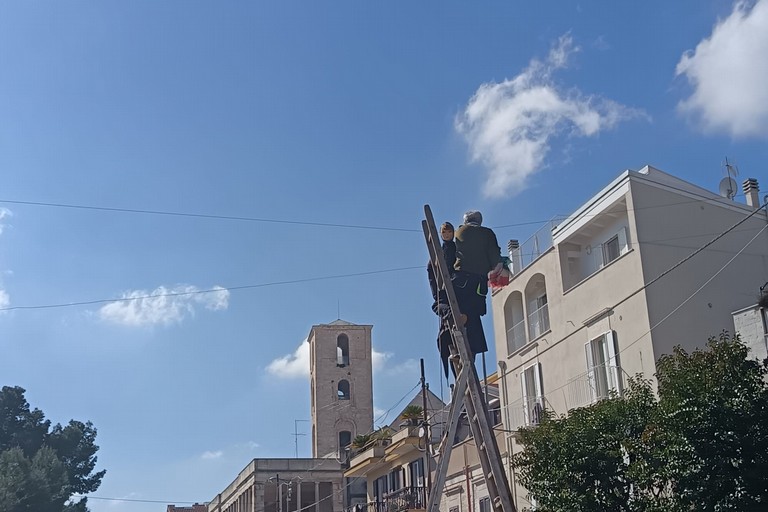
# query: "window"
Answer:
x=345 y=438
x=611 y=249
x=380 y=487
x=343 y=390
x=395 y=480
x=485 y=504
x=539 y=317
x=533 y=398
x=453 y=509
x=615 y=246
x=416 y=473
x=603 y=366
x=342 y=350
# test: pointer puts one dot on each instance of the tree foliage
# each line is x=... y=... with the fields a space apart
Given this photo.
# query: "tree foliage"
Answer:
x=702 y=444
x=43 y=466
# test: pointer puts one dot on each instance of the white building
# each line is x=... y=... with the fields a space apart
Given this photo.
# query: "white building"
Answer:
x=593 y=299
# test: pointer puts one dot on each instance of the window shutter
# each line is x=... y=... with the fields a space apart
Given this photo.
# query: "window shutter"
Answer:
x=613 y=362
x=537 y=378
x=591 y=371
x=525 y=397
x=623 y=242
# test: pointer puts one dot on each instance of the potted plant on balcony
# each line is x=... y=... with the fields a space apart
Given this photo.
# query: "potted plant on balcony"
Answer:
x=411 y=415
x=382 y=436
x=362 y=441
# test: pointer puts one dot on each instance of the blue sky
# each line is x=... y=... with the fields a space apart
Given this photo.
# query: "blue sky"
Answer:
x=346 y=113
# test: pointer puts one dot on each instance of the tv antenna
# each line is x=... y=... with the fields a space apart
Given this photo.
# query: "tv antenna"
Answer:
x=728 y=187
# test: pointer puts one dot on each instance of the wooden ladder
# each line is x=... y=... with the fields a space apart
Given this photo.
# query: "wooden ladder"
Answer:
x=467 y=394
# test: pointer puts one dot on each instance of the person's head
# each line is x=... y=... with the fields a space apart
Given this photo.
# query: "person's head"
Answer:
x=473 y=216
x=446 y=231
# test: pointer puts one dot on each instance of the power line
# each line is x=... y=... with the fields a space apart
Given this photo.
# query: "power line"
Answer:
x=203 y=215
x=170 y=213
x=210 y=290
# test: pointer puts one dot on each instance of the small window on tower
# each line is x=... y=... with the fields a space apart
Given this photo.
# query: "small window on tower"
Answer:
x=345 y=438
x=342 y=350
x=343 y=390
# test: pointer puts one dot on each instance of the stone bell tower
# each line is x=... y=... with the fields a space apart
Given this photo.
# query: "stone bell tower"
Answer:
x=341 y=385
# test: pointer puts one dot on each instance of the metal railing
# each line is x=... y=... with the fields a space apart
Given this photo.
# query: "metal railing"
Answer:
x=538 y=322
x=595 y=385
x=401 y=500
x=525 y=412
x=539 y=243
x=516 y=336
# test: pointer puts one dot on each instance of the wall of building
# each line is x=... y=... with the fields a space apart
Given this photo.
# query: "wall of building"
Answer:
x=316 y=485
x=750 y=324
x=674 y=222
x=331 y=415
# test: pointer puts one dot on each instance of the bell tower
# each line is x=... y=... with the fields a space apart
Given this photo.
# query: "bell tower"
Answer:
x=341 y=385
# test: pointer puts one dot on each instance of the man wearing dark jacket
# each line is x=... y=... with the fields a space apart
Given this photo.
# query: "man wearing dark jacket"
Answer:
x=477 y=254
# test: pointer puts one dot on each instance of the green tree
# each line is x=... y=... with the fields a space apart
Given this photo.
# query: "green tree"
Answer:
x=713 y=426
x=581 y=462
x=43 y=466
x=701 y=445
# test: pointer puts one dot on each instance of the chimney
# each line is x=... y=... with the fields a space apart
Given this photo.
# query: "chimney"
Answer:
x=513 y=247
x=752 y=191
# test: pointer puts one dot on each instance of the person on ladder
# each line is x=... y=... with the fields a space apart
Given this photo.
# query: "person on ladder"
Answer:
x=477 y=255
x=440 y=305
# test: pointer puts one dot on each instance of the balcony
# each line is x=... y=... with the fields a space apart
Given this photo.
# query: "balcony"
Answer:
x=530 y=250
x=516 y=336
x=402 y=500
x=538 y=322
x=525 y=412
x=597 y=384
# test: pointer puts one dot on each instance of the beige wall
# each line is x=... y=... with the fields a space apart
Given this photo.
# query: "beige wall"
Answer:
x=253 y=491
x=670 y=227
x=666 y=219
x=329 y=414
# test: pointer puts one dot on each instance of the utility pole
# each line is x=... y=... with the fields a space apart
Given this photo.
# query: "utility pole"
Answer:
x=425 y=418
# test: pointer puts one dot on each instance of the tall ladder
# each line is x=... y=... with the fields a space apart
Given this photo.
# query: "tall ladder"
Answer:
x=467 y=394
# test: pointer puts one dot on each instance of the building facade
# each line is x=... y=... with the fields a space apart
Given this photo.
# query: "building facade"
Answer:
x=600 y=295
x=341 y=385
x=341 y=407
x=751 y=324
x=284 y=485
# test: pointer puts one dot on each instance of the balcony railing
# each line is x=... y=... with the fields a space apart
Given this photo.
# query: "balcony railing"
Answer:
x=539 y=243
x=516 y=336
x=538 y=322
x=594 y=385
x=525 y=412
x=402 y=500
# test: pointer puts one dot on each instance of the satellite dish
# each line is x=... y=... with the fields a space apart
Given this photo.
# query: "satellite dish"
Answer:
x=728 y=188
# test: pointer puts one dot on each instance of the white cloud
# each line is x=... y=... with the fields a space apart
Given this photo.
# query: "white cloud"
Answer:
x=4 y=214
x=379 y=359
x=728 y=72
x=163 y=305
x=509 y=125
x=5 y=299
x=292 y=366
x=296 y=364
x=212 y=455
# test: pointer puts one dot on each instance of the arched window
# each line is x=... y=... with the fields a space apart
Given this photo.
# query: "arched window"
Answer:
x=345 y=439
x=343 y=390
x=342 y=350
